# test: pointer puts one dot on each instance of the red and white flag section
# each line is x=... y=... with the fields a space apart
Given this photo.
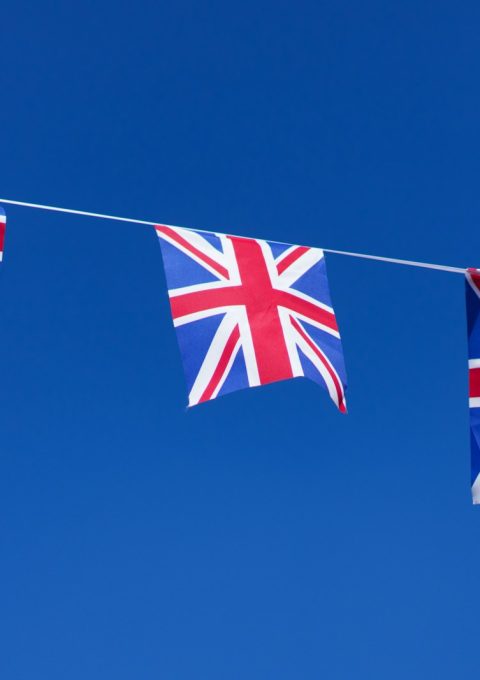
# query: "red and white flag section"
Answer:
x=249 y=312
x=473 y=323
x=3 y=224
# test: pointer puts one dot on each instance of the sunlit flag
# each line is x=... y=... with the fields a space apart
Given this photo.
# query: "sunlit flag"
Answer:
x=249 y=312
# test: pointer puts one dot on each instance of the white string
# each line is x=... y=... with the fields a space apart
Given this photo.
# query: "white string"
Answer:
x=378 y=258
x=394 y=260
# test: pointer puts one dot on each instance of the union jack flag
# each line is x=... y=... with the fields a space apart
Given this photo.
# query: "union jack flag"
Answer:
x=3 y=224
x=249 y=312
x=472 y=284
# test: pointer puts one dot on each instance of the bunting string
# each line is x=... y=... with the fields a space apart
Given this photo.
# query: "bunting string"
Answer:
x=378 y=258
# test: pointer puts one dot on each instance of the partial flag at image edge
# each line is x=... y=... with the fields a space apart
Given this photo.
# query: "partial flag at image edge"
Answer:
x=3 y=224
x=472 y=290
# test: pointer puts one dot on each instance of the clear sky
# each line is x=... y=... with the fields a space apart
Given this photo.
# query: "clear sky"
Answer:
x=263 y=535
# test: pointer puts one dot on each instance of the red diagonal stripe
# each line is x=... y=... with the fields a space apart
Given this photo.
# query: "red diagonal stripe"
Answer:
x=175 y=236
x=291 y=258
x=336 y=382
x=301 y=306
x=221 y=366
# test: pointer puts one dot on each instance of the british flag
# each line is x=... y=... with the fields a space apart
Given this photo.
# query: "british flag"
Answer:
x=3 y=224
x=472 y=284
x=249 y=312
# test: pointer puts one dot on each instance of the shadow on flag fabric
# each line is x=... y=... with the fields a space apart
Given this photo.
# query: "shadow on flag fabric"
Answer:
x=3 y=225
x=472 y=284
x=249 y=312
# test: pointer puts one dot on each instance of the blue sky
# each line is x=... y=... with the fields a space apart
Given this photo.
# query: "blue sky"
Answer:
x=263 y=535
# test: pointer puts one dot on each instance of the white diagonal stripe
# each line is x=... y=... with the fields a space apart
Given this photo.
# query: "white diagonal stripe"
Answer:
x=210 y=363
x=227 y=369
x=289 y=334
x=321 y=368
x=298 y=268
x=476 y=491
x=248 y=348
x=201 y=244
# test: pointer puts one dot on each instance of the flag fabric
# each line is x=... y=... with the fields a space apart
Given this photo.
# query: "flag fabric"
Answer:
x=3 y=224
x=249 y=312
x=472 y=284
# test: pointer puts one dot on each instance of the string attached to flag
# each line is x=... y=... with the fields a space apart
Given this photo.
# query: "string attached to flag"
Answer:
x=249 y=312
x=378 y=258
